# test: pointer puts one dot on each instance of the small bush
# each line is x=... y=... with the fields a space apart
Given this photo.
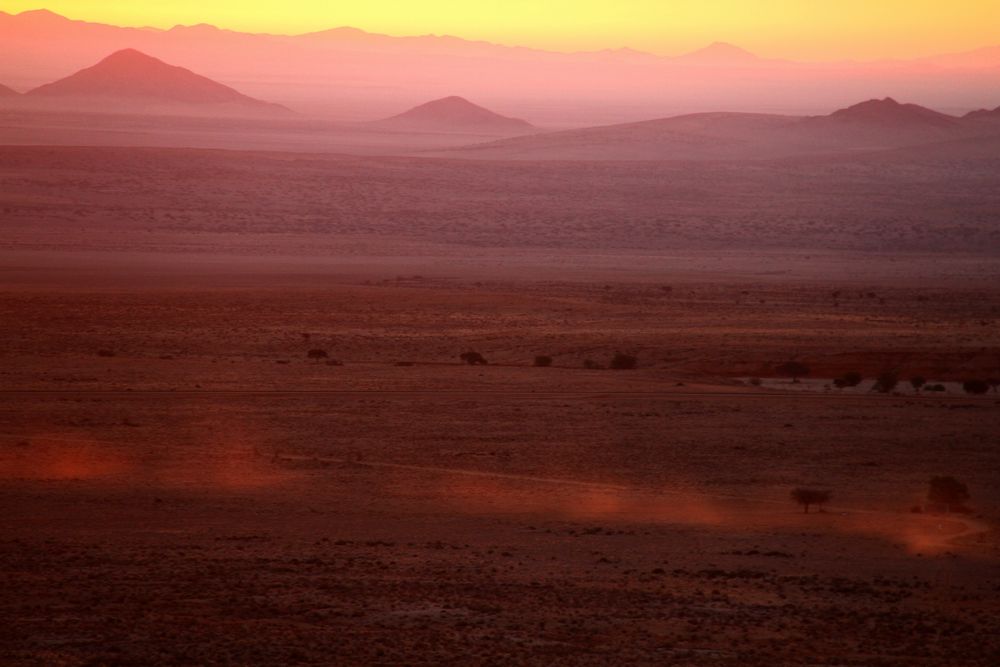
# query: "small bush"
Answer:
x=473 y=358
x=592 y=365
x=917 y=382
x=105 y=353
x=852 y=379
x=543 y=361
x=623 y=362
x=935 y=387
x=317 y=354
x=756 y=382
x=886 y=382
x=977 y=387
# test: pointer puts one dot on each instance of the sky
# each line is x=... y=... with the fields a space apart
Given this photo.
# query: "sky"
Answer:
x=794 y=29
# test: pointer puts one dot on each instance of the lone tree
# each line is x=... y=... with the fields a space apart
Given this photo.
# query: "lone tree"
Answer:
x=977 y=387
x=886 y=382
x=808 y=497
x=317 y=354
x=473 y=358
x=793 y=369
x=543 y=361
x=623 y=362
x=918 y=382
x=949 y=492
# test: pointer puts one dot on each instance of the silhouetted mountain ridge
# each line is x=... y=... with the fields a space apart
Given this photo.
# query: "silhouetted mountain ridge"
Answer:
x=718 y=53
x=983 y=114
x=131 y=74
x=871 y=126
x=455 y=114
x=888 y=111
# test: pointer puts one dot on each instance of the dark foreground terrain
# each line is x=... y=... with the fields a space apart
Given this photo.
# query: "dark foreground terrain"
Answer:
x=182 y=484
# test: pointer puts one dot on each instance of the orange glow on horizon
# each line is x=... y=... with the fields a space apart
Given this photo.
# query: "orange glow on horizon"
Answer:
x=850 y=29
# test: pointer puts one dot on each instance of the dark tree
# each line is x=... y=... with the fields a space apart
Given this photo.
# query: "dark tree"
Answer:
x=949 y=492
x=473 y=358
x=977 y=387
x=623 y=362
x=809 y=497
x=317 y=354
x=917 y=382
x=543 y=361
x=886 y=382
x=793 y=369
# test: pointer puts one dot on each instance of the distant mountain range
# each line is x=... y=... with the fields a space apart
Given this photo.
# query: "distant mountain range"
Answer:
x=454 y=114
x=870 y=126
x=349 y=74
x=129 y=81
x=984 y=114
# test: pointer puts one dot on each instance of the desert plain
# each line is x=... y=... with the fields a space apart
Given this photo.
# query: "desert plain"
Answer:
x=235 y=427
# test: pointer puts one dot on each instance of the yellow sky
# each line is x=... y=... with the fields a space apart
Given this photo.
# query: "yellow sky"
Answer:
x=798 y=29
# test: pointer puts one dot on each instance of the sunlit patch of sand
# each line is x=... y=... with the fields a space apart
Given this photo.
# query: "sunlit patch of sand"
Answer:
x=230 y=461
x=918 y=533
x=61 y=456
